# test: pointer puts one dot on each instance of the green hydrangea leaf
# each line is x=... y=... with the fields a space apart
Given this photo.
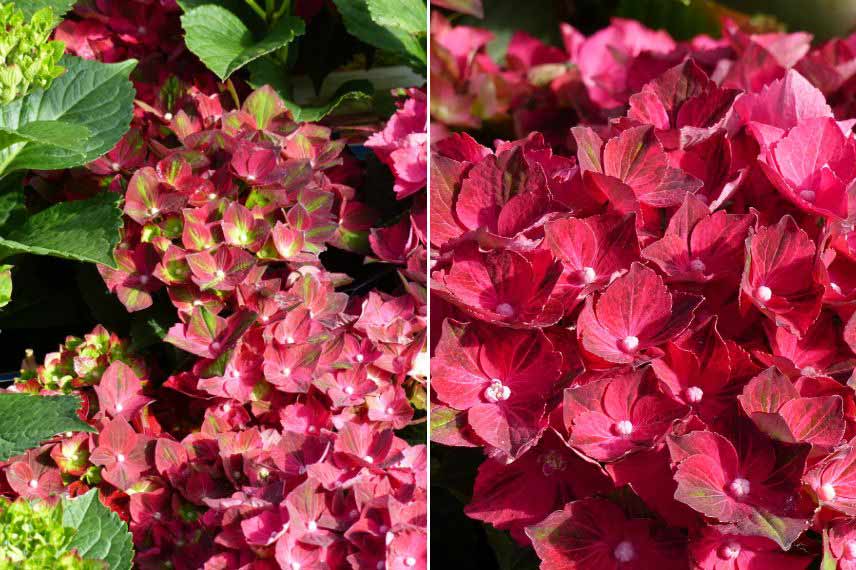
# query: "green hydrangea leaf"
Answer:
x=224 y=43
x=27 y=420
x=361 y=20
x=64 y=136
x=58 y=7
x=83 y=230
x=101 y=534
x=90 y=95
x=409 y=16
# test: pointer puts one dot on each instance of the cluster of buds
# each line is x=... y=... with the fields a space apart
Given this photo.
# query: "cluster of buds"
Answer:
x=27 y=59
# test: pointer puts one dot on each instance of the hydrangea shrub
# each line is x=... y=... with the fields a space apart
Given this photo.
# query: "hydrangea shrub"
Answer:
x=276 y=419
x=644 y=297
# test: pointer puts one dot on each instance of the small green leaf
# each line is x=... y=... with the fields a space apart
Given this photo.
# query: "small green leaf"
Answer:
x=65 y=136
x=349 y=92
x=27 y=420
x=5 y=285
x=101 y=534
x=224 y=43
x=83 y=230
x=90 y=95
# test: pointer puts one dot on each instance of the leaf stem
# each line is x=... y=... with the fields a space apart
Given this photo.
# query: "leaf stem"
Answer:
x=257 y=9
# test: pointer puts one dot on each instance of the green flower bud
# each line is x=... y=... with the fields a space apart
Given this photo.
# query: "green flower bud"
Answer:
x=27 y=59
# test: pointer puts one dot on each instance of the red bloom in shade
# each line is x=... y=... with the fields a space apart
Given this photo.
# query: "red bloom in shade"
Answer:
x=594 y=533
x=714 y=550
x=633 y=316
x=634 y=159
x=502 y=286
x=781 y=276
x=147 y=199
x=120 y=391
x=752 y=484
x=122 y=453
x=540 y=481
x=33 y=477
x=609 y=418
x=503 y=378
x=700 y=246
x=775 y=405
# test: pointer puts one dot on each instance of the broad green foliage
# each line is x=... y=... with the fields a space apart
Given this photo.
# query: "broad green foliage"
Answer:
x=83 y=230
x=33 y=537
x=28 y=59
x=224 y=43
x=27 y=420
x=100 y=533
x=398 y=26
x=91 y=99
x=58 y=7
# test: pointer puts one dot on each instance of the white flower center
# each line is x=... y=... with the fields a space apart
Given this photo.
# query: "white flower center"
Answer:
x=120 y=458
x=212 y=196
x=119 y=407
x=154 y=211
x=410 y=561
x=220 y=274
x=624 y=551
x=251 y=177
x=697 y=265
x=312 y=526
x=764 y=293
x=368 y=459
x=729 y=551
x=360 y=358
x=312 y=429
x=630 y=343
x=826 y=492
x=809 y=371
x=286 y=371
x=144 y=279
x=739 y=487
x=115 y=166
x=167 y=116
x=835 y=287
x=623 y=428
x=808 y=195
x=390 y=411
x=349 y=390
x=497 y=391
x=589 y=274
x=694 y=394
x=850 y=550
x=34 y=483
x=295 y=566
x=504 y=309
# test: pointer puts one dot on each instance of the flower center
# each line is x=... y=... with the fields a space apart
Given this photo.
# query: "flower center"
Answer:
x=739 y=487
x=312 y=526
x=360 y=358
x=119 y=407
x=623 y=428
x=120 y=458
x=589 y=274
x=624 y=551
x=850 y=550
x=220 y=274
x=368 y=459
x=826 y=492
x=552 y=462
x=497 y=391
x=349 y=390
x=286 y=371
x=835 y=287
x=694 y=394
x=808 y=195
x=729 y=551
x=697 y=265
x=764 y=293
x=390 y=411
x=630 y=343
x=809 y=371
x=504 y=309
x=34 y=483
x=167 y=116
x=410 y=561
